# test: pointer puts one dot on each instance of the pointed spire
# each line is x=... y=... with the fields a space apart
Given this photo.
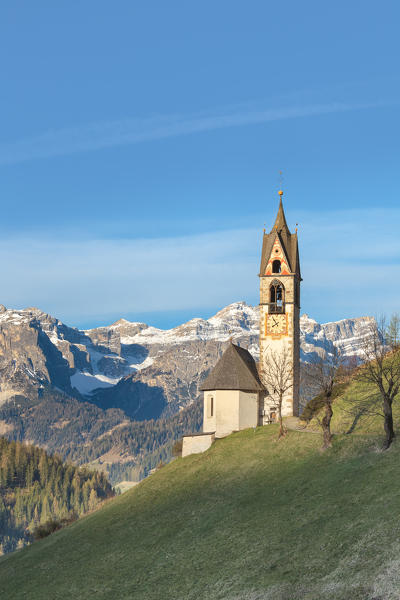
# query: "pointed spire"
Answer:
x=280 y=221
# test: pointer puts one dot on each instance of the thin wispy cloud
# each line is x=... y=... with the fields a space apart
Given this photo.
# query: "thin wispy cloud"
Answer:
x=96 y=136
x=82 y=280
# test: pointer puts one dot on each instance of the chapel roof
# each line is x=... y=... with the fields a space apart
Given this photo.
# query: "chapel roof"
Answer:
x=235 y=370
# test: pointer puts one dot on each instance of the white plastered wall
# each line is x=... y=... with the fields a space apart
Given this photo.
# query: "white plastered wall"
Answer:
x=227 y=412
x=196 y=444
x=290 y=342
x=233 y=410
x=248 y=409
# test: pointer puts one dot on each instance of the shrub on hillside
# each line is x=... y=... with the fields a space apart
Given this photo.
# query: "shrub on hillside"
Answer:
x=314 y=405
x=177 y=448
x=52 y=525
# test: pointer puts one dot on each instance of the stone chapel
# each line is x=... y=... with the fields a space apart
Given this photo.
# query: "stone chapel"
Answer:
x=236 y=394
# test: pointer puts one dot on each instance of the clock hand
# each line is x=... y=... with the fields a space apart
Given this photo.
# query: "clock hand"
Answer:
x=275 y=322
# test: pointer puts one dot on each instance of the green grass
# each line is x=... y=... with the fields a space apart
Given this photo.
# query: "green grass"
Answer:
x=250 y=518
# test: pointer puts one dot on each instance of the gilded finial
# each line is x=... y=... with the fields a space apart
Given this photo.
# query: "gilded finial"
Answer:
x=280 y=184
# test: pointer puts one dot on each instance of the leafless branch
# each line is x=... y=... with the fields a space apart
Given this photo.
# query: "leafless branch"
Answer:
x=278 y=379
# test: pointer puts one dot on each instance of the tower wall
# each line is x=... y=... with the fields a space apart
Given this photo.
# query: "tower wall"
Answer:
x=280 y=322
x=296 y=358
x=289 y=341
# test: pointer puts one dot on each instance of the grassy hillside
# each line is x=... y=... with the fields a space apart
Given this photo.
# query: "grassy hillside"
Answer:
x=251 y=518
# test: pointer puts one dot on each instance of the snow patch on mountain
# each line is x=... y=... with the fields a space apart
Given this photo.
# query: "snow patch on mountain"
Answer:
x=86 y=382
x=236 y=319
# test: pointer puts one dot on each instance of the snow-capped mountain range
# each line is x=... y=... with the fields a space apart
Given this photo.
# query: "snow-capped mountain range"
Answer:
x=89 y=395
x=145 y=370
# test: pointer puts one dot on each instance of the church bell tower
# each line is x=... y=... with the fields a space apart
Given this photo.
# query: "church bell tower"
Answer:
x=280 y=310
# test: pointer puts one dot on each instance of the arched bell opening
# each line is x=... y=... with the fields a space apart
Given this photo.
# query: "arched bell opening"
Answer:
x=276 y=297
x=276 y=266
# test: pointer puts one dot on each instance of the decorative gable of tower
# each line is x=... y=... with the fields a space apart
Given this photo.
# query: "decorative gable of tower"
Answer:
x=278 y=261
x=282 y=244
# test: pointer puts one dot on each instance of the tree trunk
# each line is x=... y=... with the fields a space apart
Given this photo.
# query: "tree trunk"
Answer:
x=281 y=427
x=388 y=424
x=326 y=425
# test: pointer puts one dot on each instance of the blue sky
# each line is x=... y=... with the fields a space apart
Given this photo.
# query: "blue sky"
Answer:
x=141 y=144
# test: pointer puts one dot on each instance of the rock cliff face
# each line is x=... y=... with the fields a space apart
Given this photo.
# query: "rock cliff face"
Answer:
x=29 y=356
x=144 y=371
x=348 y=335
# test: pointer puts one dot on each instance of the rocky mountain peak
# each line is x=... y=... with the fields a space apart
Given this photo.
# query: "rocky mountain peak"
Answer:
x=125 y=323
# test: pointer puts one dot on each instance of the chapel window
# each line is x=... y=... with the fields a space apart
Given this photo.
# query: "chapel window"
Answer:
x=210 y=406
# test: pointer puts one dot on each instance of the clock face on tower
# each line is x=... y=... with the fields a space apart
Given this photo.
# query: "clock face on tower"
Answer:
x=276 y=324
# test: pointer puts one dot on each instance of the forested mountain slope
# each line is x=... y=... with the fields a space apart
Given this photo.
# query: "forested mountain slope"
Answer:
x=105 y=439
x=252 y=518
x=36 y=487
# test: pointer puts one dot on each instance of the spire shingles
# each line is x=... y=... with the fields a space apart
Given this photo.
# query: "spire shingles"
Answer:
x=280 y=221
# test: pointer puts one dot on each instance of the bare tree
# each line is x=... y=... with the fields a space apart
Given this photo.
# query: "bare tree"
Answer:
x=278 y=379
x=393 y=332
x=322 y=375
x=382 y=367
